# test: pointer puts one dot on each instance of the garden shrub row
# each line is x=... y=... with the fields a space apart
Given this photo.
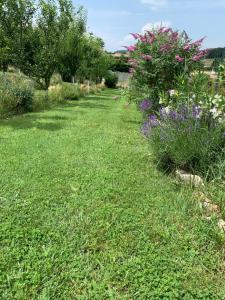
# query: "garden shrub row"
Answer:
x=184 y=112
x=19 y=95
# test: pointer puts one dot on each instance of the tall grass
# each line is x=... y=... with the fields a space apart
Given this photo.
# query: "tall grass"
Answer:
x=16 y=95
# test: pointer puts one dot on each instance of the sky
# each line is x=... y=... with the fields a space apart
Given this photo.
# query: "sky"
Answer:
x=113 y=20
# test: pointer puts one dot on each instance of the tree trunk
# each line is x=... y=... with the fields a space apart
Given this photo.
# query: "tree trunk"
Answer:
x=47 y=83
x=4 y=67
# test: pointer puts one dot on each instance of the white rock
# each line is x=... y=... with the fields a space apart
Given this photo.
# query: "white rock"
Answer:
x=194 y=180
x=210 y=207
x=221 y=224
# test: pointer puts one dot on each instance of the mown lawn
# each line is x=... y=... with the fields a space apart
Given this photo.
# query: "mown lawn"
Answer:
x=86 y=215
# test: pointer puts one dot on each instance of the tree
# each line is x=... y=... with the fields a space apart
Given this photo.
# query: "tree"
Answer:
x=42 y=36
x=4 y=58
x=96 y=61
x=120 y=64
x=55 y=36
x=16 y=20
x=71 y=47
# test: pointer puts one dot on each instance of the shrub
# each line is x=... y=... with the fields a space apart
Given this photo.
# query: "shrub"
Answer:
x=56 y=94
x=84 y=90
x=158 y=57
x=41 y=100
x=16 y=96
x=221 y=76
x=120 y=64
x=189 y=138
x=56 y=79
x=111 y=79
x=70 y=91
x=63 y=92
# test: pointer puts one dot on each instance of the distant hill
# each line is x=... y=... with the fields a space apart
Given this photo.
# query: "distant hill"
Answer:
x=212 y=54
x=121 y=51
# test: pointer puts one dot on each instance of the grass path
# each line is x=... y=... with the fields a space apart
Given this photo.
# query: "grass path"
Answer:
x=85 y=214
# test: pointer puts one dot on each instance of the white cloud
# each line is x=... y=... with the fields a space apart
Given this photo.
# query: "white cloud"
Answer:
x=150 y=26
x=129 y=40
x=155 y=4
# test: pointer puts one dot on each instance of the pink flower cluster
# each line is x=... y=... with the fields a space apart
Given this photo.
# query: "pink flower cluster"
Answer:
x=165 y=48
x=146 y=57
x=199 y=55
x=179 y=58
x=148 y=37
x=131 y=48
x=133 y=63
x=164 y=30
x=169 y=41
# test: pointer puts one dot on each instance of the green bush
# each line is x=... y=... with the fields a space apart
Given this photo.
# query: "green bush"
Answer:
x=16 y=96
x=57 y=94
x=56 y=79
x=111 y=79
x=70 y=91
x=41 y=100
x=120 y=64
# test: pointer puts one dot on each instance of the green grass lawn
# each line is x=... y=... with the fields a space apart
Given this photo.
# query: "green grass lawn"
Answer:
x=86 y=215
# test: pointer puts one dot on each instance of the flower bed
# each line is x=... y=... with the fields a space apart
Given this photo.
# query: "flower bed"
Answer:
x=183 y=116
x=190 y=138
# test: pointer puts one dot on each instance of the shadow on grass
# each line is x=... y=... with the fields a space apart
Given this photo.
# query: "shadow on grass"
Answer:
x=133 y=122
x=99 y=97
x=92 y=105
x=34 y=120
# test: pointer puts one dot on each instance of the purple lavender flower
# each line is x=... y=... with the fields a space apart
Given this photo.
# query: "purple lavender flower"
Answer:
x=153 y=121
x=196 y=111
x=152 y=117
x=182 y=113
x=173 y=115
x=183 y=110
x=162 y=113
x=145 y=105
x=148 y=125
x=146 y=128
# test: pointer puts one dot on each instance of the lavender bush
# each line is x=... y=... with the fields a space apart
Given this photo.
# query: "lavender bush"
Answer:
x=188 y=138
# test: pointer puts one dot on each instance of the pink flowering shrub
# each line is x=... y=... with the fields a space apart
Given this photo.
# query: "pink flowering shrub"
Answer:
x=159 y=56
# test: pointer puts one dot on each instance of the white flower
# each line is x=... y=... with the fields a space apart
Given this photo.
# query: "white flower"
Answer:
x=215 y=113
x=167 y=110
x=213 y=110
x=172 y=92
